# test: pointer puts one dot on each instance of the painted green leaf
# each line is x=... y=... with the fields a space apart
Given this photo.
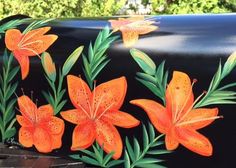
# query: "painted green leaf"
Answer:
x=127 y=160
x=37 y=24
x=158 y=143
x=136 y=148
x=148 y=161
x=99 y=157
x=70 y=61
x=114 y=163
x=216 y=79
x=89 y=160
x=96 y=59
x=150 y=86
x=158 y=152
x=145 y=165
x=130 y=149
x=107 y=158
x=12 y=24
x=146 y=77
x=145 y=137
x=227 y=86
x=151 y=132
x=75 y=156
x=229 y=64
x=10 y=133
x=7 y=101
x=144 y=61
x=88 y=153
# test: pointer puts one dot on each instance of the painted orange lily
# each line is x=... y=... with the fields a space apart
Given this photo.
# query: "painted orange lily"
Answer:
x=38 y=126
x=26 y=45
x=179 y=121
x=96 y=114
x=132 y=27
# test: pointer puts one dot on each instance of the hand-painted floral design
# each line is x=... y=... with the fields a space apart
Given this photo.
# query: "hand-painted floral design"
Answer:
x=32 y=43
x=132 y=27
x=49 y=66
x=96 y=114
x=179 y=121
x=38 y=126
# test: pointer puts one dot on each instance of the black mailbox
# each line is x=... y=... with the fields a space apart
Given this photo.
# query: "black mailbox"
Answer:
x=121 y=92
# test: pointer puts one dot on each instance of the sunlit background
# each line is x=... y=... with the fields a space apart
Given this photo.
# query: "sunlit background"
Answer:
x=93 y=8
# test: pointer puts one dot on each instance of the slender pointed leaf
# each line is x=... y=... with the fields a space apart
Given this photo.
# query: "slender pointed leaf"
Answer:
x=9 y=133
x=151 y=87
x=70 y=61
x=146 y=77
x=126 y=160
x=107 y=158
x=89 y=153
x=158 y=152
x=151 y=132
x=130 y=149
x=114 y=163
x=144 y=61
x=150 y=166
x=99 y=68
x=90 y=161
x=136 y=148
x=148 y=161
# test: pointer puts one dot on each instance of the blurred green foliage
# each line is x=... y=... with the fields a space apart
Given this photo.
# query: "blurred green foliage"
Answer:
x=90 y=8
x=192 y=6
x=60 y=8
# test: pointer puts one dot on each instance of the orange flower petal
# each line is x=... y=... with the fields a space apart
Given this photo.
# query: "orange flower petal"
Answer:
x=54 y=125
x=110 y=95
x=56 y=141
x=129 y=36
x=27 y=108
x=74 y=116
x=44 y=112
x=23 y=121
x=109 y=138
x=179 y=95
x=79 y=93
x=194 y=141
x=42 y=140
x=199 y=115
x=24 y=63
x=170 y=142
x=26 y=136
x=146 y=29
x=34 y=34
x=121 y=119
x=37 y=46
x=156 y=113
x=83 y=135
x=117 y=24
x=12 y=38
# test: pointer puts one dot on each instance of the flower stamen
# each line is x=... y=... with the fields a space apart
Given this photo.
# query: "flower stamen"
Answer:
x=190 y=108
x=199 y=120
x=26 y=44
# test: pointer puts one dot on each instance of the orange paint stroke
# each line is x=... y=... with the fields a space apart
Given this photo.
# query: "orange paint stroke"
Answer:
x=38 y=126
x=132 y=27
x=178 y=120
x=96 y=114
x=32 y=43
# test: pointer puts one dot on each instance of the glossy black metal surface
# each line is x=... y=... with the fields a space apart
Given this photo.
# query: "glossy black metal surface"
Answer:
x=193 y=44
